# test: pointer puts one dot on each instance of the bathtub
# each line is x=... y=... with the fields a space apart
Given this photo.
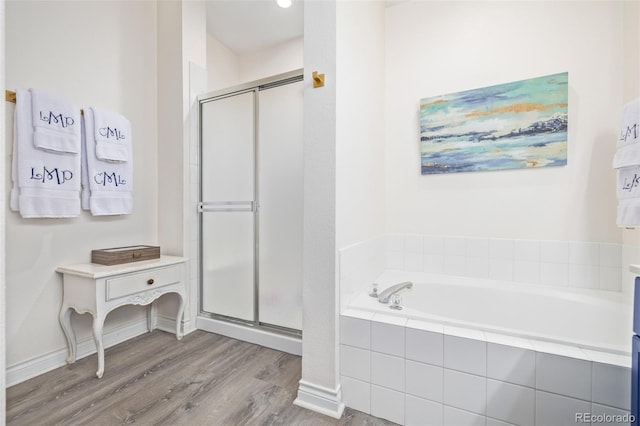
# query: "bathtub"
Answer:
x=592 y=319
x=474 y=351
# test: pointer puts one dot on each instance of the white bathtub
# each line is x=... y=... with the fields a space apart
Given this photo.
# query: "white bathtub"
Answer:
x=590 y=319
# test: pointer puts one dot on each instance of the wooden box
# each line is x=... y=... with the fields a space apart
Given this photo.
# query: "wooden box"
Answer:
x=118 y=255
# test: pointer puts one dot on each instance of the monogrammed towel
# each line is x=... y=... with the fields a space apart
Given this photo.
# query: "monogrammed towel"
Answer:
x=56 y=122
x=46 y=183
x=627 y=165
x=112 y=134
x=107 y=186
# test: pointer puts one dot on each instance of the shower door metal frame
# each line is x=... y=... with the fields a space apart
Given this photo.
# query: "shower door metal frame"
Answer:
x=239 y=206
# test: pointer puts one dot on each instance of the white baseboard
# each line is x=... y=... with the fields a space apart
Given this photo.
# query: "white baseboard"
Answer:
x=34 y=367
x=260 y=337
x=320 y=399
x=168 y=324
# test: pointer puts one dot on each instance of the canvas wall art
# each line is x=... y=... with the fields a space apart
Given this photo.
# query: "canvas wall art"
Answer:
x=521 y=124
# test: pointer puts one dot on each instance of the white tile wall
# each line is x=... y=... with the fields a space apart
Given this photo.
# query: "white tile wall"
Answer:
x=527 y=250
x=611 y=385
x=554 y=251
x=424 y=380
x=465 y=355
x=387 y=371
x=387 y=404
x=501 y=269
x=558 y=410
x=511 y=403
x=465 y=391
x=492 y=379
x=456 y=417
x=355 y=363
x=511 y=364
x=433 y=245
x=494 y=422
x=424 y=346
x=501 y=249
x=563 y=375
x=387 y=338
x=356 y=394
x=477 y=247
x=556 y=263
x=421 y=412
x=356 y=331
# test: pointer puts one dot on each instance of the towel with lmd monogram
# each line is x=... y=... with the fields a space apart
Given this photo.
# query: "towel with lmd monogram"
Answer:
x=46 y=156
x=627 y=164
x=107 y=166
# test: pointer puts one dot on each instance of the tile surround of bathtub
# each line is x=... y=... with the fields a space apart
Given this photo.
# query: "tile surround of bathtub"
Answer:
x=360 y=263
x=519 y=382
x=515 y=372
x=555 y=263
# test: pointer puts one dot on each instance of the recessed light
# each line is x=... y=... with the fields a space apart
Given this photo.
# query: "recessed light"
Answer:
x=284 y=3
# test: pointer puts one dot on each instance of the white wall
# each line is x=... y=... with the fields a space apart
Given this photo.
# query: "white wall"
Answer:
x=283 y=57
x=360 y=121
x=181 y=77
x=98 y=54
x=441 y=47
x=226 y=69
x=223 y=68
x=3 y=346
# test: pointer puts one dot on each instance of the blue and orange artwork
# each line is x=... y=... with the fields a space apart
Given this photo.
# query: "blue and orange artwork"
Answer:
x=516 y=125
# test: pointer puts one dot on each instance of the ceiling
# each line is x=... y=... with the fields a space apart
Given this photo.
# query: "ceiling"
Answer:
x=248 y=25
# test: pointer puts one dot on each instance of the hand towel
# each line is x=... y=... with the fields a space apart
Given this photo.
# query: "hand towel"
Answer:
x=107 y=185
x=46 y=183
x=627 y=164
x=56 y=122
x=112 y=135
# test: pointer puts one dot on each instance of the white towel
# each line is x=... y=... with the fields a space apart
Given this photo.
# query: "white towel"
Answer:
x=627 y=164
x=45 y=183
x=106 y=185
x=56 y=122
x=112 y=135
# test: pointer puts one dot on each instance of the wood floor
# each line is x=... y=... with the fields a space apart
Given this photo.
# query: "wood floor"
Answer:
x=204 y=379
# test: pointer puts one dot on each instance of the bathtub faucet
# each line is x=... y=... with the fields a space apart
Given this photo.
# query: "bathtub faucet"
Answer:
x=396 y=288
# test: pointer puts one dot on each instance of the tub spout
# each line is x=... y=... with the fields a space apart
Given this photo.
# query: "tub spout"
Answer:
x=396 y=288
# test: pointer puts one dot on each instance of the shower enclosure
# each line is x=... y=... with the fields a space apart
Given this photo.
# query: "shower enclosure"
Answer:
x=251 y=204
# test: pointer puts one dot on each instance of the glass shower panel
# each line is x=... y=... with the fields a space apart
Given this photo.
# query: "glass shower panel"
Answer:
x=280 y=184
x=227 y=205
x=227 y=264
x=228 y=148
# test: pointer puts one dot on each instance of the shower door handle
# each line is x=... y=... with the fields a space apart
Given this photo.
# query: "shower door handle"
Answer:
x=226 y=206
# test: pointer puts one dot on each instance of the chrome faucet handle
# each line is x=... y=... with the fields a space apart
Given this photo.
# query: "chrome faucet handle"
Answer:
x=374 y=290
x=396 y=302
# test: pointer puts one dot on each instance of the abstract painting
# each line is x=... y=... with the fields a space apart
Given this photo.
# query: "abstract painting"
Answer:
x=515 y=125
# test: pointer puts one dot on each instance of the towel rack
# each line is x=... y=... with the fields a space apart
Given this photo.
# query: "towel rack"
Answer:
x=10 y=96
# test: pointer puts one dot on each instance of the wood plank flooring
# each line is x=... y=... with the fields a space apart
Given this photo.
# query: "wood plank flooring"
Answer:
x=204 y=379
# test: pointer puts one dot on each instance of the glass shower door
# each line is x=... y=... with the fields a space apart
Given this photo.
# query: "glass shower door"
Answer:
x=251 y=204
x=280 y=178
x=228 y=206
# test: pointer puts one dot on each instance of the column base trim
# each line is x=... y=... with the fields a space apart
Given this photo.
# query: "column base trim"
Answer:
x=320 y=399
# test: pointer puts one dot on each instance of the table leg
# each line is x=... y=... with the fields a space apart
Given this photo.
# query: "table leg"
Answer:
x=65 y=323
x=179 y=318
x=98 y=322
x=152 y=316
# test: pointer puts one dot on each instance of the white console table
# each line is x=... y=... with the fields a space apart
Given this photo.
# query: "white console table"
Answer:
x=99 y=289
